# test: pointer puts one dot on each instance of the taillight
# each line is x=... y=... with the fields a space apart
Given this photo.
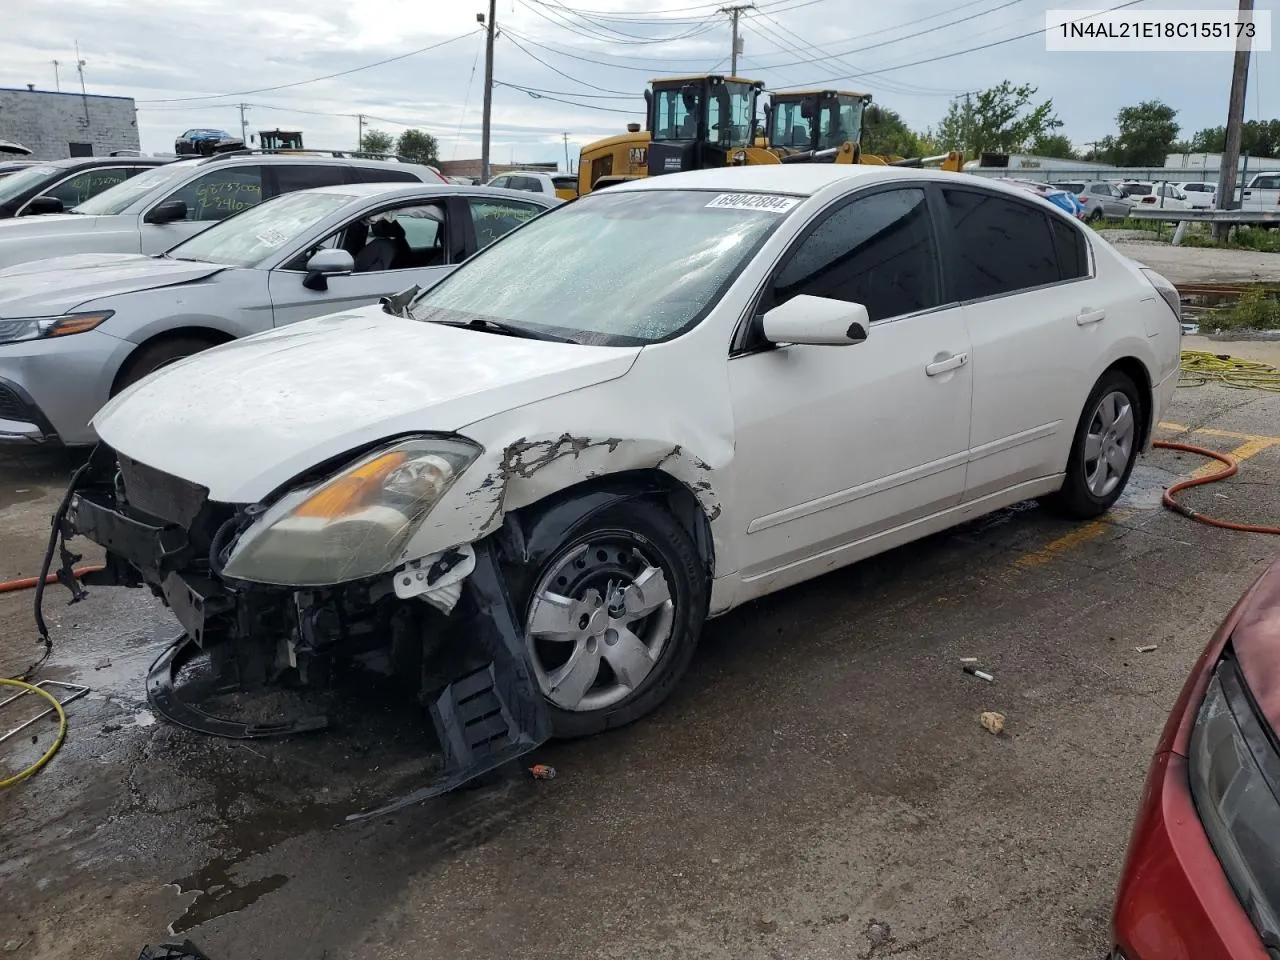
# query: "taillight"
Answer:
x=1166 y=290
x=1148 y=200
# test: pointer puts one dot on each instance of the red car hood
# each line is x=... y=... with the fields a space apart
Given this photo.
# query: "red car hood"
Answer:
x=1256 y=639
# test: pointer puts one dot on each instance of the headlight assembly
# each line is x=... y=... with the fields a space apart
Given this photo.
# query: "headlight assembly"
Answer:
x=355 y=524
x=40 y=328
x=1235 y=771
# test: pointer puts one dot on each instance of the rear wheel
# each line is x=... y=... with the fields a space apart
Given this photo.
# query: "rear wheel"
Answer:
x=1104 y=450
x=612 y=617
x=150 y=358
x=1095 y=216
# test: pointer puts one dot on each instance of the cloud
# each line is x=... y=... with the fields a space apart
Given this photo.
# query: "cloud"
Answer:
x=158 y=50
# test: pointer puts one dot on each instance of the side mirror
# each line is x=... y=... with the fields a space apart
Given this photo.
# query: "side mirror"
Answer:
x=332 y=262
x=44 y=205
x=167 y=212
x=816 y=320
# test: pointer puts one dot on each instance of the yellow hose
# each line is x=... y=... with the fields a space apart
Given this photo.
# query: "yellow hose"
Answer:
x=62 y=731
x=1200 y=367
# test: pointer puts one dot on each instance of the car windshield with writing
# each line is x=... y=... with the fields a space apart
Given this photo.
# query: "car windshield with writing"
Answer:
x=265 y=229
x=119 y=198
x=614 y=268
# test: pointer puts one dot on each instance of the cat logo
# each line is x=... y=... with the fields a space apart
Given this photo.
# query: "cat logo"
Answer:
x=637 y=156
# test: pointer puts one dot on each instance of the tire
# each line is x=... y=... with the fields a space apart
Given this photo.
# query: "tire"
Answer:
x=152 y=357
x=606 y=550
x=1095 y=217
x=1086 y=493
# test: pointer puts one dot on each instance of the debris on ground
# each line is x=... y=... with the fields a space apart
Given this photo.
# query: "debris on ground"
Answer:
x=173 y=951
x=1147 y=649
x=543 y=771
x=974 y=671
x=993 y=722
x=968 y=659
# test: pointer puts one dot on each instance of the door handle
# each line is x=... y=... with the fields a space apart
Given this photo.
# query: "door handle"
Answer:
x=1086 y=317
x=942 y=366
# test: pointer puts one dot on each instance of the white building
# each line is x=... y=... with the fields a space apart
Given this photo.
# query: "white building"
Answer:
x=1212 y=162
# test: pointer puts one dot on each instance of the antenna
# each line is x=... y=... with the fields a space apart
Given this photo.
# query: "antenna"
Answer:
x=84 y=96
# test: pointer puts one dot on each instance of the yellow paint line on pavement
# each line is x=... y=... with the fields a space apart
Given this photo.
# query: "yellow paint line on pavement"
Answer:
x=1214 y=432
x=1241 y=453
x=1049 y=551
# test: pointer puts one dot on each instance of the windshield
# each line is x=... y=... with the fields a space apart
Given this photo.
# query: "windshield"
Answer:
x=1135 y=189
x=789 y=128
x=614 y=268
x=250 y=237
x=24 y=180
x=116 y=199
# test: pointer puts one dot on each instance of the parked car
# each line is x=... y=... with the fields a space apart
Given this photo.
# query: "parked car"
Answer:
x=1100 y=199
x=58 y=185
x=562 y=185
x=1063 y=199
x=1202 y=195
x=204 y=141
x=1262 y=192
x=11 y=148
x=156 y=209
x=299 y=255
x=1162 y=194
x=1200 y=877
x=10 y=167
x=649 y=406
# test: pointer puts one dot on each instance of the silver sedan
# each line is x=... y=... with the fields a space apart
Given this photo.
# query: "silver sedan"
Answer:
x=74 y=331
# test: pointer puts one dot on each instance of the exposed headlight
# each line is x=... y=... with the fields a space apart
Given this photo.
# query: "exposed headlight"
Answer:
x=38 y=328
x=355 y=524
x=1235 y=774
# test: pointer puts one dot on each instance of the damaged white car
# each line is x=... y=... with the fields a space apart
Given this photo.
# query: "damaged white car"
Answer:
x=533 y=481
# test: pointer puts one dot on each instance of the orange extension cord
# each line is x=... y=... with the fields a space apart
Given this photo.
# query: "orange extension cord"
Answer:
x=28 y=583
x=1228 y=471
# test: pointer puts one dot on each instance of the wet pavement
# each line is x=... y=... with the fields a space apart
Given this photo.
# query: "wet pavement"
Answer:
x=819 y=786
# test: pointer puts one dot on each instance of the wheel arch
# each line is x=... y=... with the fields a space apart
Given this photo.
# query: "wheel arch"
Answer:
x=211 y=335
x=1137 y=371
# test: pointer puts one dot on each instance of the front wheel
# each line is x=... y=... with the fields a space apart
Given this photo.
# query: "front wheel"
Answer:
x=612 y=617
x=1103 y=451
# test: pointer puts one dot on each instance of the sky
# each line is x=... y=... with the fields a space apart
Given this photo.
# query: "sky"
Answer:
x=188 y=63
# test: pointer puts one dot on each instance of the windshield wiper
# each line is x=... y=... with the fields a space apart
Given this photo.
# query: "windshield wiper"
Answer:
x=509 y=329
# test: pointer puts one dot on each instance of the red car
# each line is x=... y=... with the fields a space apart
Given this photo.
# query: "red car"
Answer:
x=1202 y=877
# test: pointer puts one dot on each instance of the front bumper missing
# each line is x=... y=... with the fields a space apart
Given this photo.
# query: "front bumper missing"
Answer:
x=483 y=719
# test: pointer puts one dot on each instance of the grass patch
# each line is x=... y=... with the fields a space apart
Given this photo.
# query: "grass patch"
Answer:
x=1257 y=309
x=1149 y=226
x=1257 y=239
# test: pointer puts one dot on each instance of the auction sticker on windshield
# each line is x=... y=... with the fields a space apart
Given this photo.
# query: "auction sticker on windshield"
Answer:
x=754 y=201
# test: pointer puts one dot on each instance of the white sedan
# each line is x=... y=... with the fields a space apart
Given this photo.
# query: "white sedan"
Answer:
x=639 y=410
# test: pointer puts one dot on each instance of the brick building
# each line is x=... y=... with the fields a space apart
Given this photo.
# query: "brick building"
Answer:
x=58 y=125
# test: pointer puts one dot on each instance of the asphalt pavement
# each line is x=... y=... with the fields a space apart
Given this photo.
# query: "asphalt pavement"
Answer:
x=819 y=786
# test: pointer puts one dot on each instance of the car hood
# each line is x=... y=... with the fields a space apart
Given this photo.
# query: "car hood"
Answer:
x=42 y=288
x=245 y=418
x=55 y=225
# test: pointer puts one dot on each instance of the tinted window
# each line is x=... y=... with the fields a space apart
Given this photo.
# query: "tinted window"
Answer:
x=878 y=251
x=1101 y=190
x=290 y=177
x=493 y=218
x=526 y=183
x=82 y=186
x=384 y=175
x=219 y=193
x=1069 y=248
x=1001 y=245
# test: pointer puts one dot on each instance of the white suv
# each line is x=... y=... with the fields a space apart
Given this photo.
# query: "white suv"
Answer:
x=155 y=210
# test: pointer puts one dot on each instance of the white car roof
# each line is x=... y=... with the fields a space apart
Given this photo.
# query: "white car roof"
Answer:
x=804 y=179
x=403 y=188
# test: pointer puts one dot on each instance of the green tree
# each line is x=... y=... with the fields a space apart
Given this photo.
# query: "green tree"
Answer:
x=1258 y=138
x=883 y=132
x=376 y=141
x=418 y=146
x=1145 y=136
x=1053 y=145
x=1002 y=119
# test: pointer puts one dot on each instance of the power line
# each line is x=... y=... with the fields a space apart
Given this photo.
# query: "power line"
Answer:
x=300 y=83
x=960 y=53
x=564 y=22
x=568 y=93
x=573 y=103
x=457 y=137
x=516 y=42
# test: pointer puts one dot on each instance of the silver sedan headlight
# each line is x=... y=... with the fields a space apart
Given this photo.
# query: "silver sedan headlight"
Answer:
x=355 y=524
x=39 y=328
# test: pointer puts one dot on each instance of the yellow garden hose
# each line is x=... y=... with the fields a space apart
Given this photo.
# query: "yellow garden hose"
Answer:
x=62 y=730
x=1200 y=367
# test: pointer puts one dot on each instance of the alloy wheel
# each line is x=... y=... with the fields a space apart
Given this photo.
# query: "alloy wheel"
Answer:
x=1109 y=443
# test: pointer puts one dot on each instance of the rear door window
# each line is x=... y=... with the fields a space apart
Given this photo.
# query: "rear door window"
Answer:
x=383 y=175
x=1001 y=246
x=218 y=194
x=296 y=176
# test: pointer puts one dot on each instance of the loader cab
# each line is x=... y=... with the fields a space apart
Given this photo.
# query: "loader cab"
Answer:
x=694 y=122
x=814 y=120
x=280 y=139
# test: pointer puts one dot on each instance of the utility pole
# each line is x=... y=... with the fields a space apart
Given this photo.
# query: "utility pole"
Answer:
x=490 y=25
x=566 y=154
x=734 y=13
x=57 y=79
x=359 y=131
x=1235 y=120
x=243 y=125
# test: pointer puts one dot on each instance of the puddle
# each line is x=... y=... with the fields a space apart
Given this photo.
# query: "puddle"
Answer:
x=1146 y=487
x=1208 y=295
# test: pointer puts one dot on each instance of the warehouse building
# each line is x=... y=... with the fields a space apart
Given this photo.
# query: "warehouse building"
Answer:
x=57 y=125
